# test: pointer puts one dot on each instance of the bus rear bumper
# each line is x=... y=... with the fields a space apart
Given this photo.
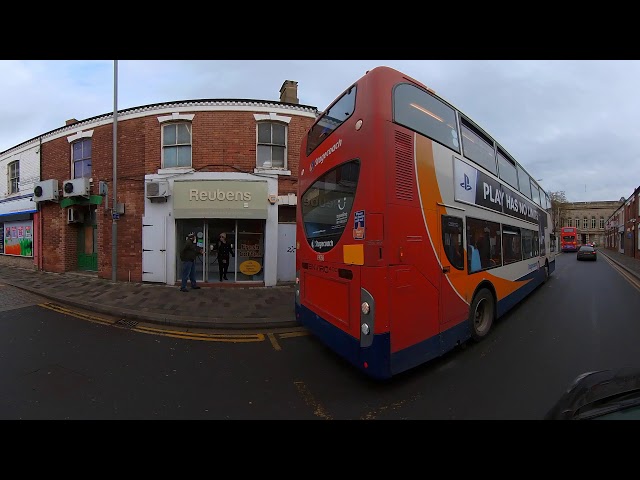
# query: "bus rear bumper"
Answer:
x=374 y=360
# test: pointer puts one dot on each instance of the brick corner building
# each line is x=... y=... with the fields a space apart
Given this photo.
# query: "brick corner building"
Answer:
x=207 y=166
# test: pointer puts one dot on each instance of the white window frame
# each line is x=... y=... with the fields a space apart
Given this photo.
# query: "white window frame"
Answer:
x=74 y=138
x=176 y=118
x=601 y=222
x=593 y=222
x=274 y=118
x=74 y=161
x=585 y=223
x=15 y=178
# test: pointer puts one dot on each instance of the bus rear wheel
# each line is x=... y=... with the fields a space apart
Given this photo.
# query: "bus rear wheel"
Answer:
x=481 y=314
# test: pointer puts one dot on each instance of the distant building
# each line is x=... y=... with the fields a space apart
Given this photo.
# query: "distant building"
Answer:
x=622 y=233
x=590 y=218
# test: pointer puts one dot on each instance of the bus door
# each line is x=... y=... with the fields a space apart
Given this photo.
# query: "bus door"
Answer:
x=453 y=307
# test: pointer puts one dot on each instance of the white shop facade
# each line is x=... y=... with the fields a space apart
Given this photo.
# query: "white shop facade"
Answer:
x=243 y=206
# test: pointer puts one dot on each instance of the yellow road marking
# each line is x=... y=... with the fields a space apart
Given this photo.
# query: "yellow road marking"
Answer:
x=293 y=334
x=218 y=337
x=59 y=309
x=207 y=337
x=274 y=341
x=394 y=406
x=629 y=278
x=318 y=409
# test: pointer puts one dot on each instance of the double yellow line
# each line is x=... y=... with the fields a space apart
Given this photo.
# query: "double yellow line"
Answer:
x=635 y=283
x=207 y=337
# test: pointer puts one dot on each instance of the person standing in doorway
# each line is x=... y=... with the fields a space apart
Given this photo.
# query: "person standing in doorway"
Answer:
x=224 y=251
x=188 y=255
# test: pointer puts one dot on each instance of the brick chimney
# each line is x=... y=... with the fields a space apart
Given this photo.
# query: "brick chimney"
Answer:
x=71 y=121
x=289 y=92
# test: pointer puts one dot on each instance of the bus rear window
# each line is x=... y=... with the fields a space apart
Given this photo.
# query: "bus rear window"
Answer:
x=331 y=119
x=327 y=204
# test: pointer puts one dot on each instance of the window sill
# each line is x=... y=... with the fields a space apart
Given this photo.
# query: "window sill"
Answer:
x=175 y=170
x=272 y=171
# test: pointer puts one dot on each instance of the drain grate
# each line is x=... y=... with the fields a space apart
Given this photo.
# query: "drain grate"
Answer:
x=123 y=322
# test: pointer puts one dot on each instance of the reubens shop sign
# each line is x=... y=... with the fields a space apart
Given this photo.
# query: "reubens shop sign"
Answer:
x=220 y=199
x=219 y=195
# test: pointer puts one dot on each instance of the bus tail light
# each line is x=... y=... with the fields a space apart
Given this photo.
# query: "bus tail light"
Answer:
x=367 y=318
x=297 y=287
x=365 y=307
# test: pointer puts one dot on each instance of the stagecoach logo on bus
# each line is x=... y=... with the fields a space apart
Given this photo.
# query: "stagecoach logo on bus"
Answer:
x=317 y=161
x=320 y=244
x=474 y=187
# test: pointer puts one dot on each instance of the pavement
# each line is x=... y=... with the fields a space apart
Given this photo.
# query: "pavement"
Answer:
x=215 y=307
x=228 y=307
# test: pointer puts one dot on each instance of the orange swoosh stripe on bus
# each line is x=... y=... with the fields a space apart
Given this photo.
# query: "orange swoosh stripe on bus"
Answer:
x=430 y=196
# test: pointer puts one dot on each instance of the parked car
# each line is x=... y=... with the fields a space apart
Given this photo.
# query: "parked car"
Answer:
x=586 y=252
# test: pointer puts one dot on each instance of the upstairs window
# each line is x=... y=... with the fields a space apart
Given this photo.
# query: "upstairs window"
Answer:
x=585 y=223
x=478 y=147
x=81 y=158
x=176 y=145
x=593 y=222
x=331 y=119
x=14 y=176
x=601 y=222
x=420 y=111
x=535 y=193
x=272 y=145
x=524 y=182
x=507 y=170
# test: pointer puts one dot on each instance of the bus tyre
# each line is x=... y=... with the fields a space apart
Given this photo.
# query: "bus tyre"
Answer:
x=481 y=314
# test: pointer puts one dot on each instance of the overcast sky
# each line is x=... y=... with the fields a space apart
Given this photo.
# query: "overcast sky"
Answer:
x=573 y=124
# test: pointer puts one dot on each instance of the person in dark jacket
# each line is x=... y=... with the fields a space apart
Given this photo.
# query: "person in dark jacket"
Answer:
x=224 y=250
x=188 y=255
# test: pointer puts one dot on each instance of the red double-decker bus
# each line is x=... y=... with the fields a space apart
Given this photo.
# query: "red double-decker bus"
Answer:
x=569 y=239
x=415 y=228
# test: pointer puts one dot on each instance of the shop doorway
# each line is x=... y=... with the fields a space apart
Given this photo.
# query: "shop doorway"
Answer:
x=246 y=238
x=88 y=242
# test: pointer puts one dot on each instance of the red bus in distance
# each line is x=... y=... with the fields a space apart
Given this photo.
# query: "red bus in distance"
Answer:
x=569 y=239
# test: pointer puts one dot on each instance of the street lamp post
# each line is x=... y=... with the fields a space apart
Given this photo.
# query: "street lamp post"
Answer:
x=114 y=211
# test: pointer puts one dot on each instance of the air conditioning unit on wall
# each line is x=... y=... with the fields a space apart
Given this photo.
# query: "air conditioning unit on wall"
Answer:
x=157 y=189
x=74 y=215
x=77 y=187
x=47 y=190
